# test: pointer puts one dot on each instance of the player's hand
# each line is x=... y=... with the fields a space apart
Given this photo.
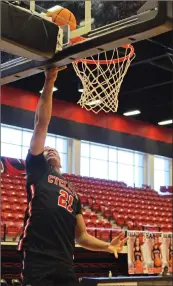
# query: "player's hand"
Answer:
x=117 y=244
x=51 y=74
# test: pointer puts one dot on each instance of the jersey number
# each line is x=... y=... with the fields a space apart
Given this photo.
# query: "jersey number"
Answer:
x=65 y=200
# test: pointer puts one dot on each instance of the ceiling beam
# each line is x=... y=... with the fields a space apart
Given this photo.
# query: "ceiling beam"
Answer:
x=161 y=45
x=148 y=60
x=160 y=66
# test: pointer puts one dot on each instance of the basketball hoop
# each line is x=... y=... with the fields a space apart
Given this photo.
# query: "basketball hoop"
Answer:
x=102 y=76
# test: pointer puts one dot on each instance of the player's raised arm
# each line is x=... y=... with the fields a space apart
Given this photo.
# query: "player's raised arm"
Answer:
x=43 y=113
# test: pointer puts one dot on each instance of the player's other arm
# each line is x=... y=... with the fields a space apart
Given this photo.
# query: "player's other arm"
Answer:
x=89 y=242
x=43 y=113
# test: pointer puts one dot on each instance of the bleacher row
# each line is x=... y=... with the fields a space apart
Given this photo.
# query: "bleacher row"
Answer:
x=118 y=204
x=131 y=208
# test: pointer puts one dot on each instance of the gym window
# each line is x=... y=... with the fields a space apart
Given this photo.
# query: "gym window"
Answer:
x=107 y=162
x=15 y=143
x=161 y=172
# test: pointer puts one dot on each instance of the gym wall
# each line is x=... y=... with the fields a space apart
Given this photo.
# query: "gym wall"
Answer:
x=70 y=120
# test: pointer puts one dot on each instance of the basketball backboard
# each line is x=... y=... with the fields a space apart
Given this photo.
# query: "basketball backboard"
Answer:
x=103 y=24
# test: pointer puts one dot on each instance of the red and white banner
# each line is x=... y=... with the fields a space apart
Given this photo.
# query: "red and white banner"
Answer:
x=154 y=252
x=149 y=252
x=167 y=245
x=136 y=252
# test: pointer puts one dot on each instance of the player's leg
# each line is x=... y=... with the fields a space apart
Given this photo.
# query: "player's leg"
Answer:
x=37 y=269
x=43 y=270
x=67 y=279
x=65 y=275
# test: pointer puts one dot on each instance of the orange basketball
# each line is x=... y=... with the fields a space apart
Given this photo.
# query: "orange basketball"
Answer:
x=62 y=16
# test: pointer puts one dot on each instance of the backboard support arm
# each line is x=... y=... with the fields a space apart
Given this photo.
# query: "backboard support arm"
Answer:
x=134 y=31
x=32 y=5
x=87 y=28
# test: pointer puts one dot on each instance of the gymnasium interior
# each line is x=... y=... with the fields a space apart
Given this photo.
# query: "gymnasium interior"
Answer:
x=119 y=162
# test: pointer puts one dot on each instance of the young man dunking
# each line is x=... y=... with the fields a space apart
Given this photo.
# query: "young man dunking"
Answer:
x=53 y=219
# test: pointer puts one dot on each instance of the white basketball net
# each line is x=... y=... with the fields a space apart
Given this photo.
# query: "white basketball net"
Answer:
x=102 y=82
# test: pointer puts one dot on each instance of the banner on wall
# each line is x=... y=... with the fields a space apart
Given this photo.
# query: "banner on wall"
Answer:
x=136 y=253
x=167 y=241
x=154 y=248
x=149 y=252
x=11 y=166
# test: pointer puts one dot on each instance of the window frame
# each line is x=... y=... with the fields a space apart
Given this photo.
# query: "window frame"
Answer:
x=165 y=171
x=113 y=160
x=23 y=145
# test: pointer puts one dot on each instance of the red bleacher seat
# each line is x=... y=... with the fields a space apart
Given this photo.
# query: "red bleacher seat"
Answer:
x=23 y=201
x=3 y=192
x=131 y=207
x=2 y=231
x=18 y=188
x=90 y=224
x=105 y=235
x=4 y=199
x=13 y=194
x=138 y=225
x=83 y=199
x=6 y=180
x=115 y=232
x=130 y=224
x=18 y=217
x=99 y=225
x=95 y=207
x=6 y=217
x=6 y=207
x=16 y=182
x=120 y=220
x=86 y=215
x=18 y=208
x=12 y=229
x=13 y=200
x=93 y=217
x=90 y=202
x=20 y=226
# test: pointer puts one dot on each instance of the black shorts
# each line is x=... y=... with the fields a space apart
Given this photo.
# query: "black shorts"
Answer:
x=42 y=270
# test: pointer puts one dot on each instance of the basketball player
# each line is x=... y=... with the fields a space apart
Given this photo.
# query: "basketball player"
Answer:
x=156 y=253
x=53 y=219
x=137 y=255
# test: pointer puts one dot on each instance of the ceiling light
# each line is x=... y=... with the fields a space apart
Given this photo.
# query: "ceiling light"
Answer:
x=165 y=122
x=94 y=102
x=80 y=89
x=54 y=89
x=133 y=112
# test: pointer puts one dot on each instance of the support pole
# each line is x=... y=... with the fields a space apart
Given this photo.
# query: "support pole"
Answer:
x=32 y=5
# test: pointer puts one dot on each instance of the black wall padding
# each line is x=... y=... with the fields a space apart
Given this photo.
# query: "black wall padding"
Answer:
x=25 y=34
